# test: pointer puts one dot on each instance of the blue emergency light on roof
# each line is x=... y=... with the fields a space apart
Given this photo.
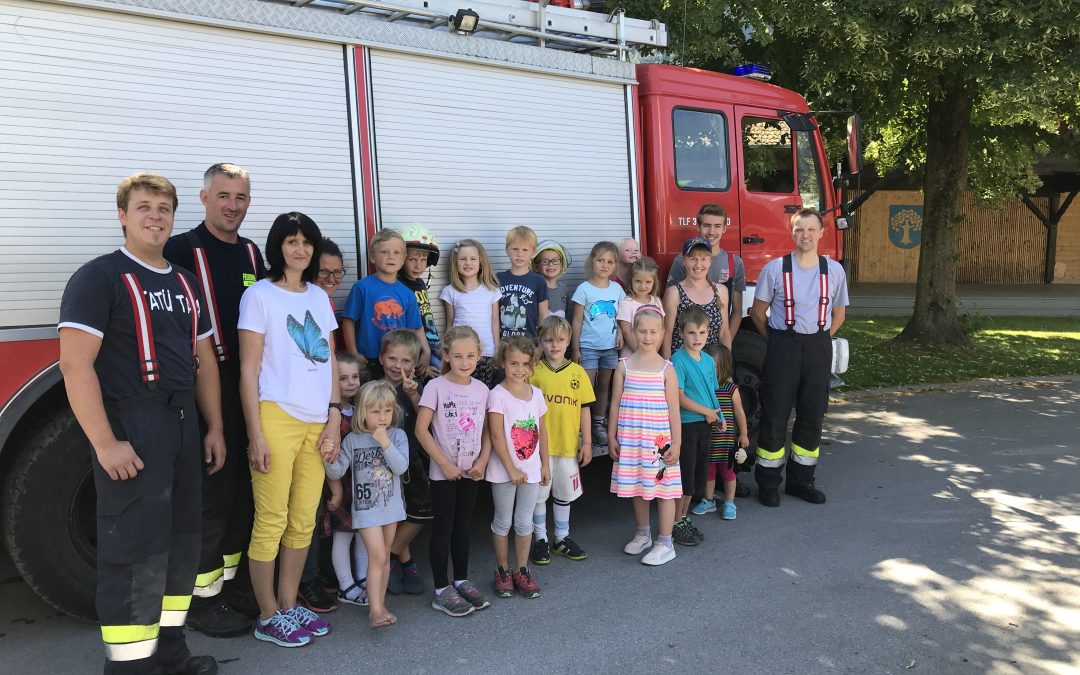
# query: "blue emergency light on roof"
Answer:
x=753 y=70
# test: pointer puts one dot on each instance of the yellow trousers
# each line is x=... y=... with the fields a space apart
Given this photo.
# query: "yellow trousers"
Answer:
x=287 y=497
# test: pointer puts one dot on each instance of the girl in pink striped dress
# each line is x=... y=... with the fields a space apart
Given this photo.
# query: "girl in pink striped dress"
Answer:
x=645 y=446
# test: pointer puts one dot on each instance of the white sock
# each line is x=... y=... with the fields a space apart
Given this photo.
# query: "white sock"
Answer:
x=562 y=520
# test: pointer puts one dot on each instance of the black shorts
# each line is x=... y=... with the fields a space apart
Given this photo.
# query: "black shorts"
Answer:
x=694 y=456
x=417 y=489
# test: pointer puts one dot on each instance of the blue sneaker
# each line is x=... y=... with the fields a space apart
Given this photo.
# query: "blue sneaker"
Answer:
x=703 y=507
x=282 y=630
x=308 y=620
x=729 y=511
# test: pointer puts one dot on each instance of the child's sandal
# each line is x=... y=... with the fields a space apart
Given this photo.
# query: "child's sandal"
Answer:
x=360 y=600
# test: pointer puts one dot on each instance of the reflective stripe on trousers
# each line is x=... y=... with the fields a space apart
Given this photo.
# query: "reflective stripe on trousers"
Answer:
x=208 y=584
x=769 y=458
x=232 y=561
x=804 y=456
x=129 y=643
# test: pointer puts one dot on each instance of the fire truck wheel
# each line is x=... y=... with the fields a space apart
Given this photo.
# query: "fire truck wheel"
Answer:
x=748 y=348
x=49 y=506
x=749 y=383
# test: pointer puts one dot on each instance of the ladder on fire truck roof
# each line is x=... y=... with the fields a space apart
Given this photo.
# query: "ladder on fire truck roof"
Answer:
x=517 y=21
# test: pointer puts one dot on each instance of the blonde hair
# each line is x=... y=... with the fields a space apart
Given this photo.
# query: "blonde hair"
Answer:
x=725 y=369
x=384 y=235
x=453 y=335
x=485 y=274
x=598 y=248
x=521 y=233
x=516 y=343
x=401 y=337
x=647 y=311
x=151 y=182
x=644 y=265
x=374 y=393
x=554 y=325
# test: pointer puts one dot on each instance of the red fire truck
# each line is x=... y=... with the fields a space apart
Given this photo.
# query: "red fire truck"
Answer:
x=363 y=114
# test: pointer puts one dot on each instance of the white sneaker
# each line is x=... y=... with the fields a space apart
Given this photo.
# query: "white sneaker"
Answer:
x=638 y=544
x=659 y=555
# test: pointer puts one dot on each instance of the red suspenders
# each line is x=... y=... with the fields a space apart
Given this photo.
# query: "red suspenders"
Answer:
x=193 y=304
x=206 y=282
x=144 y=327
x=789 y=293
x=144 y=331
x=252 y=257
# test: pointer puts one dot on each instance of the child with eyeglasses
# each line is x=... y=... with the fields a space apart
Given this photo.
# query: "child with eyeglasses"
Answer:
x=647 y=439
x=551 y=262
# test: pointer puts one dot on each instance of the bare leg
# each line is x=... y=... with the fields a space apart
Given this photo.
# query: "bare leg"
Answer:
x=289 y=571
x=501 y=544
x=666 y=508
x=406 y=532
x=377 y=541
x=641 y=512
x=710 y=489
x=262 y=582
x=522 y=544
x=602 y=386
x=682 y=506
x=729 y=490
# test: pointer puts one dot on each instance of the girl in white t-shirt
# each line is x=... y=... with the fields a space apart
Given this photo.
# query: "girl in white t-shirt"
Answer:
x=472 y=299
x=643 y=283
x=516 y=412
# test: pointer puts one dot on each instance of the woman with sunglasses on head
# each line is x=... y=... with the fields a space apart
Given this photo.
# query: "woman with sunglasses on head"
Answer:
x=645 y=446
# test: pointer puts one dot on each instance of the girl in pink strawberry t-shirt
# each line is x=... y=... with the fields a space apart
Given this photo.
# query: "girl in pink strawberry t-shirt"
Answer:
x=516 y=412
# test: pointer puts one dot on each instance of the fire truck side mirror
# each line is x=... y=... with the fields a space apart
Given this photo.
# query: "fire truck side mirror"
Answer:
x=854 y=144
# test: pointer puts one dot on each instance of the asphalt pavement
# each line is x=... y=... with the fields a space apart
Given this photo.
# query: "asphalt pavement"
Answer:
x=948 y=545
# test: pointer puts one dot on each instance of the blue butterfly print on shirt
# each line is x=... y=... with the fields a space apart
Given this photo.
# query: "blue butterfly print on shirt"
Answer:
x=308 y=337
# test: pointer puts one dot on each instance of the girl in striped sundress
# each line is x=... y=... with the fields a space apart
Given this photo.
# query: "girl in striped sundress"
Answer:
x=645 y=446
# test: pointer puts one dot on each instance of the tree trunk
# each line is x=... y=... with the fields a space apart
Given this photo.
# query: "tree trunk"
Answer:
x=935 y=319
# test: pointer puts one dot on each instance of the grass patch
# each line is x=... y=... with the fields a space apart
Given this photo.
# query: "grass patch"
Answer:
x=1001 y=346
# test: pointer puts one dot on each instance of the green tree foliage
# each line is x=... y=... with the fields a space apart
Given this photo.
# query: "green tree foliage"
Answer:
x=965 y=94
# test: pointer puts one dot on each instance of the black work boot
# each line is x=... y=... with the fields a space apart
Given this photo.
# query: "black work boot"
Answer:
x=768 y=496
x=194 y=665
x=213 y=617
x=807 y=492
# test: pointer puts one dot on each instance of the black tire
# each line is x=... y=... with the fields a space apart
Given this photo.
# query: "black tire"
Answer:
x=749 y=382
x=748 y=349
x=49 y=510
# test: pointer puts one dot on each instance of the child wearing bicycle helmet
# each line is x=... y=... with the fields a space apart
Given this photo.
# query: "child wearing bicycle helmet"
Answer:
x=421 y=252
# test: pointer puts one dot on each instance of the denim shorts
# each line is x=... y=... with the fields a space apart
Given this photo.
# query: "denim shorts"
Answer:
x=599 y=358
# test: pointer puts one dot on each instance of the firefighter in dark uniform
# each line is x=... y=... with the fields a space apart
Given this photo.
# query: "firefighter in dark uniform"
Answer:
x=225 y=265
x=132 y=338
x=806 y=298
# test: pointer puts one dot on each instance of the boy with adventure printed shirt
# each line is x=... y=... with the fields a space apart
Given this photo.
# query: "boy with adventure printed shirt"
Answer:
x=568 y=393
x=524 y=301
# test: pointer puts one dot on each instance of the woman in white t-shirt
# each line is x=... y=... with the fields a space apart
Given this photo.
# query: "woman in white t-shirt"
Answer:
x=291 y=405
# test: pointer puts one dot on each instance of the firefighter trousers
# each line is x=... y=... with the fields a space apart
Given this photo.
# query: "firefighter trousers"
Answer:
x=797 y=370
x=148 y=533
x=227 y=506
